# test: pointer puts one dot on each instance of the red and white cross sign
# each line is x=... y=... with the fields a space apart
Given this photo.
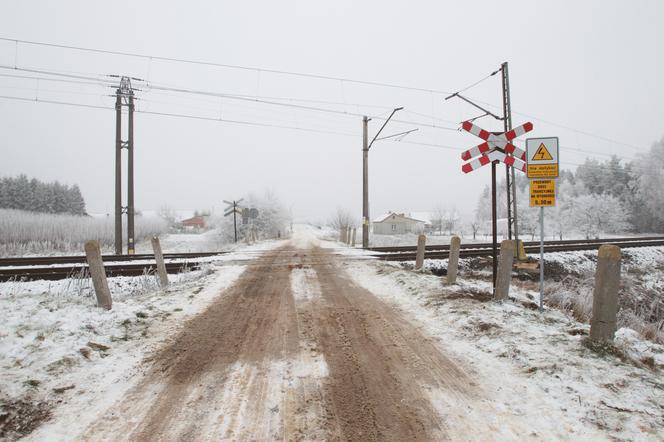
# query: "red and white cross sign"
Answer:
x=495 y=147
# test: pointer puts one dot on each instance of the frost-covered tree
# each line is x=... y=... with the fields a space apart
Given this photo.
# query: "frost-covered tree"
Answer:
x=649 y=185
x=33 y=195
x=596 y=214
x=341 y=218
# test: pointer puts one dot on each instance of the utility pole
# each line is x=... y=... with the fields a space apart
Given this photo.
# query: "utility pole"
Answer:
x=124 y=96
x=234 y=208
x=365 y=169
x=118 y=174
x=130 y=179
x=510 y=178
x=365 y=182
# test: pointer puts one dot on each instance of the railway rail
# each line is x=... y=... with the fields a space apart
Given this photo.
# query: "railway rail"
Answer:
x=62 y=267
x=80 y=259
x=408 y=253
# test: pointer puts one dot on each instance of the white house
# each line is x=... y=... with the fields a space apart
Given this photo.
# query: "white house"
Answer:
x=397 y=223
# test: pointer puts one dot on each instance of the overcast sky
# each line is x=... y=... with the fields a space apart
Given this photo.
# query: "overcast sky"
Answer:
x=589 y=72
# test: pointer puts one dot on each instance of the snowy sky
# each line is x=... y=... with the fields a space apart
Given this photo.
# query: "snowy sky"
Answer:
x=591 y=72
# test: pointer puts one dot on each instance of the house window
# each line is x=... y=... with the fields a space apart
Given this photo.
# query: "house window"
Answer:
x=394 y=227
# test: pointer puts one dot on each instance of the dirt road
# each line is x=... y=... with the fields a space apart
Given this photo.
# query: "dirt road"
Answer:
x=293 y=351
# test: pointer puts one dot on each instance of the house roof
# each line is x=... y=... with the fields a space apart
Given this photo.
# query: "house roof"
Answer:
x=425 y=217
x=194 y=220
x=384 y=217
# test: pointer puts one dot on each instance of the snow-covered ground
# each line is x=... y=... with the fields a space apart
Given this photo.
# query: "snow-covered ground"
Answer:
x=62 y=357
x=209 y=241
x=59 y=353
x=532 y=364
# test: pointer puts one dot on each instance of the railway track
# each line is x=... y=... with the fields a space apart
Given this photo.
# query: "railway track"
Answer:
x=56 y=273
x=80 y=259
x=407 y=253
x=62 y=267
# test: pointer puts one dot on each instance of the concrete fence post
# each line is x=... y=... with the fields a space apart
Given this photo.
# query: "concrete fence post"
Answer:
x=605 y=294
x=504 y=277
x=98 y=274
x=342 y=232
x=352 y=241
x=161 y=267
x=421 y=246
x=453 y=260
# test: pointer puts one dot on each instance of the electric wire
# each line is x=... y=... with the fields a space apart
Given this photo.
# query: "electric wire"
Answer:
x=299 y=74
x=224 y=65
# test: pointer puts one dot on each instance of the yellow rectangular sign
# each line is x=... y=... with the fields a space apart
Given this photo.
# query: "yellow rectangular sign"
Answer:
x=542 y=193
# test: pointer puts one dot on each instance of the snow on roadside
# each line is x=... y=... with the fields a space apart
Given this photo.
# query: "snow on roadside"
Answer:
x=58 y=348
x=532 y=366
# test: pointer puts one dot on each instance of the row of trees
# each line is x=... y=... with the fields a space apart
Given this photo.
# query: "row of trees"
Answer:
x=600 y=197
x=32 y=195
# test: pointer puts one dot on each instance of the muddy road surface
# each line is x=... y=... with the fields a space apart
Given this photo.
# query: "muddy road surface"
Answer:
x=295 y=350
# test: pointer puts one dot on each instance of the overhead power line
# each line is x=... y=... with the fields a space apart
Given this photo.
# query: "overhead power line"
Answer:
x=291 y=105
x=223 y=120
x=259 y=124
x=231 y=97
x=301 y=74
x=225 y=65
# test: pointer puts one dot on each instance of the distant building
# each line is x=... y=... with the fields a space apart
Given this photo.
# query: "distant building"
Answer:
x=194 y=223
x=397 y=224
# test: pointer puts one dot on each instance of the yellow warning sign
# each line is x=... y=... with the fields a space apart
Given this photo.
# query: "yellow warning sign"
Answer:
x=542 y=157
x=542 y=154
x=542 y=170
x=542 y=193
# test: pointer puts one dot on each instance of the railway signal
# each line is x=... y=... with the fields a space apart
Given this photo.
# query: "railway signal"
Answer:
x=497 y=147
x=497 y=144
x=234 y=209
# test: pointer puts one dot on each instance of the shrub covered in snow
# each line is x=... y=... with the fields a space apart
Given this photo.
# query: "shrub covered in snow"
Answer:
x=273 y=219
x=39 y=233
x=640 y=301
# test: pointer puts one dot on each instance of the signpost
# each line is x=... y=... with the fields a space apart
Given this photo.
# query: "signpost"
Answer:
x=235 y=209
x=497 y=147
x=543 y=169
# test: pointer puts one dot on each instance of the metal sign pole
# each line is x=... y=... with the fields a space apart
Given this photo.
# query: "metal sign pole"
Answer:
x=541 y=285
x=235 y=220
x=494 y=228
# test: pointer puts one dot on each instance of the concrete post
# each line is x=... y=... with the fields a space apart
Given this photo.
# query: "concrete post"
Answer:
x=98 y=274
x=352 y=241
x=161 y=267
x=419 y=259
x=341 y=233
x=453 y=261
x=605 y=294
x=504 y=276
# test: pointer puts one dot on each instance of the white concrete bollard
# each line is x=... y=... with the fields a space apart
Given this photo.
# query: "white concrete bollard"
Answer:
x=504 y=277
x=605 y=294
x=98 y=274
x=453 y=260
x=161 y=266
x=421 y=246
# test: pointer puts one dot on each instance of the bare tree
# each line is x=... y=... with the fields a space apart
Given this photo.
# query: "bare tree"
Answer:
x=167 y=213
x=341 y=219
x=475 y=226
x=438 y=217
